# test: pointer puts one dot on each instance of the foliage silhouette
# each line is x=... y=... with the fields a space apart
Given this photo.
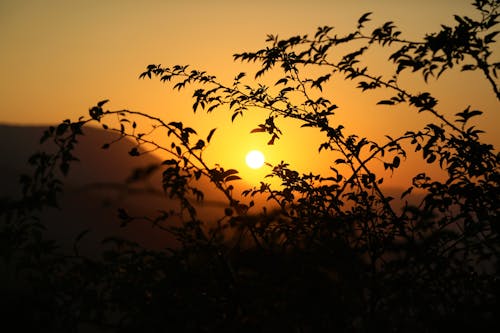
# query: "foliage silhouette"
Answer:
x=334 y=252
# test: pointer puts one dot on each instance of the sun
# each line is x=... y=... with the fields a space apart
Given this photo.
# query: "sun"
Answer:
x=255 y=159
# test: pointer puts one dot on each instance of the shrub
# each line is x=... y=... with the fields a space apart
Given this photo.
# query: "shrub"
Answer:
x=331 y=251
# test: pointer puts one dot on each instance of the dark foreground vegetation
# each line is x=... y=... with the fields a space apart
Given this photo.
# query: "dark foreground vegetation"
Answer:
x=332 y=253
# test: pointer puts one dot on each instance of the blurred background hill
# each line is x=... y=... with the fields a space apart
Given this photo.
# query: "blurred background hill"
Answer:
x=94 y=189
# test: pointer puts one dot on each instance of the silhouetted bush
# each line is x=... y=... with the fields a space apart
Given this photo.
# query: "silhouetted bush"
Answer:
x=332 y=252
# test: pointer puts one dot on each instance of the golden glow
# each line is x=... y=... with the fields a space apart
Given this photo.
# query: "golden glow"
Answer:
x=56 y=37
x=255 y=159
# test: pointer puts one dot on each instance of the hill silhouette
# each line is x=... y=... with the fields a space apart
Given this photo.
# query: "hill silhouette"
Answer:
x=96 y=187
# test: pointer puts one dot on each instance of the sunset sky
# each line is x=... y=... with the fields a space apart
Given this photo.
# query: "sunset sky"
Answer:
x=61 y=57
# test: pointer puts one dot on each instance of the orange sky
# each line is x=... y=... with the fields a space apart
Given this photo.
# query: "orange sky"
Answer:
x=60 y=57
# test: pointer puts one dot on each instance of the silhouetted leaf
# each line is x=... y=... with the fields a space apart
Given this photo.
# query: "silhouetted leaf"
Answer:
x=364 y=18
x=229 y=172
x=61 y=129
x=212 y=131
x=386 y=102
x=101 y=103
x=396 y=161
x=489 y=38
x=407 y=192
x=230 y=178
x=199 y=145
x=169 y=162
x=273 y=138
x=176 y=124
x=134 y=152
x=281 y=81
x=239 y=76
x=261 y=128
x=96 y=113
